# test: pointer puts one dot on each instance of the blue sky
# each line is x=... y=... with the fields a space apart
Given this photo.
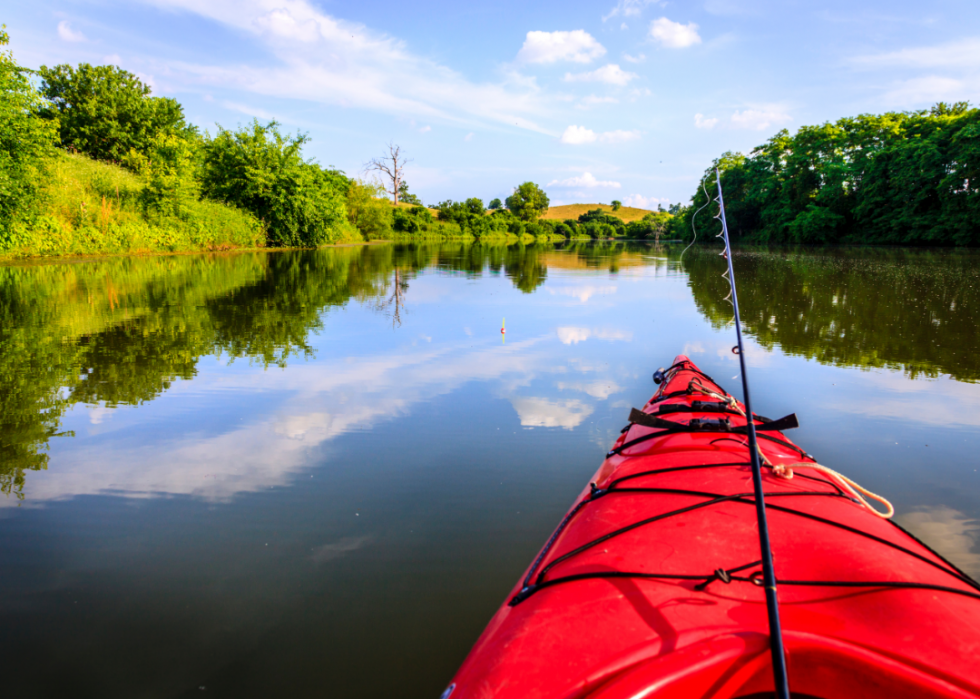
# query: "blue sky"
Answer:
x=595 y=101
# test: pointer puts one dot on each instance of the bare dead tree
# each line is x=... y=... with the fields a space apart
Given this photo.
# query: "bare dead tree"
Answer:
x=393 y=304
x=390 y=167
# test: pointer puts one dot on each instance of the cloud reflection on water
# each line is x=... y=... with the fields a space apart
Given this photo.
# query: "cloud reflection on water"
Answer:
x=323 y=401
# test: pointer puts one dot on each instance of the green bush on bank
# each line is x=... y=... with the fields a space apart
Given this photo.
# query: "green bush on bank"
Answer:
x=261 y=170
x=88 y=207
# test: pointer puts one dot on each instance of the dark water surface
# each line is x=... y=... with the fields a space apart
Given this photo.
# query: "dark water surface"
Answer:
x=319 y=473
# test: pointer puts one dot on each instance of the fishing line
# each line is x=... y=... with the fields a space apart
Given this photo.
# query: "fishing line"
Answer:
x=694 y=228
x=779 y=671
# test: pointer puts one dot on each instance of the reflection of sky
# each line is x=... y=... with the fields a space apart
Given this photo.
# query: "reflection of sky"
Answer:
x=577 y=353
x=371 y=506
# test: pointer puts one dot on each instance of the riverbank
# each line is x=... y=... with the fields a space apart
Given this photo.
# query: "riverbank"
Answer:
x=87 y=207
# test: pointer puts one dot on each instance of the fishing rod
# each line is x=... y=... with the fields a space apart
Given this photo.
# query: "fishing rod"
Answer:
x=768 y=575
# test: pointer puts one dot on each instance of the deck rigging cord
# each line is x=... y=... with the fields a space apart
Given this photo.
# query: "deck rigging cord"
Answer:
x=779 y=672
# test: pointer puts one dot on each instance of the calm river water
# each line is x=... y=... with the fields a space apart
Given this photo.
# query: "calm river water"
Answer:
x=314 y=474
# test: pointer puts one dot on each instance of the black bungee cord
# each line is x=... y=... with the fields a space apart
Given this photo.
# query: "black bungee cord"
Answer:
x=779 y=672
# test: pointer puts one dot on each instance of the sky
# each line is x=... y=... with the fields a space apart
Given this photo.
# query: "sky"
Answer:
x=594 y=101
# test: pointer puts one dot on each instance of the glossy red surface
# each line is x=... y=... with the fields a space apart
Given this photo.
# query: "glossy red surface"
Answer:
x=633 y=637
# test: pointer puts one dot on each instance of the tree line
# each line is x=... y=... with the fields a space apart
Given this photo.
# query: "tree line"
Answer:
x=909 y=178
x=94 y=124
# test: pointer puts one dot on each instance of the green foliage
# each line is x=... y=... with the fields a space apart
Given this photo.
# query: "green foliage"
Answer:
x=406 y=197
x=528 y=202
x=25 y=142
x=419 y=222
x=616 y=205
x=261 y=170
x=368 y=209
x=599 y=224
x=91 y=207
x=105 y=112
x=653 y=226
x=852 y=306
x=495 y=204
x=170 y=170
x=902 y=178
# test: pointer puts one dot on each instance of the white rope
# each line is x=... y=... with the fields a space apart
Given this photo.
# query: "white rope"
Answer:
x=857 y=491
x=852 y=487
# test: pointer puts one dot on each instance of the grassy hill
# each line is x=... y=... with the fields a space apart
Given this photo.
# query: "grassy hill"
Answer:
x=91 y=207
x=626 y=213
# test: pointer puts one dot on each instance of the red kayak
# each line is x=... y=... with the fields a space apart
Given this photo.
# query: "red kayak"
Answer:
x=650 y=585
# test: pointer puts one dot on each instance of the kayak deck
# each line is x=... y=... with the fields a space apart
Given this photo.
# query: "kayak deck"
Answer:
x=649 y=586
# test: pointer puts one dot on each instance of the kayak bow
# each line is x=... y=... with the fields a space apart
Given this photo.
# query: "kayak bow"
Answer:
x=651 y=584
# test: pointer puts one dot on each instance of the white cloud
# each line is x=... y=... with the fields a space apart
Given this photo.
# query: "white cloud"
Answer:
x=638 y=58
x=611 y=74
x=955 y=54
x=600 y=390
x=593 y=100
x=702 y=123
x=757 y=119
x=950 y=532
x=66 y=33
x=627 y=8
x=641 y=202
x=573 y=335
x=541 y=412
x=674 y=35
x=113 y=59
x=328 y=552
x=638 y=92
x=618 y=136
x=468 y=137
x=928 y=90
x=583 y=294
x=326 y=60
x=752 y=119
x=281 y=23
x=586 y=180
x=550 y=47
x=579 y=135
x=246 y=109
x=425 y=129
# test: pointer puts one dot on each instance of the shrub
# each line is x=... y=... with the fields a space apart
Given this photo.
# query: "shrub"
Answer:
x=261 y=170
x=368 y=209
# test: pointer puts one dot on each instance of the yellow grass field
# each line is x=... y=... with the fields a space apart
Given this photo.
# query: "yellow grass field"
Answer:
x=626 y=213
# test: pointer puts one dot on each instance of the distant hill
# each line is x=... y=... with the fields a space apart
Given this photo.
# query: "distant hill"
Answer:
x=626 y=213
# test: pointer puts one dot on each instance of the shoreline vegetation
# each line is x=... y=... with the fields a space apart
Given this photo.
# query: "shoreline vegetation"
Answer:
x=908 y=178
x=92 y=164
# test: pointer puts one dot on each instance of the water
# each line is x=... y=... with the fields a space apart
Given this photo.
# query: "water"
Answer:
x=319 y=473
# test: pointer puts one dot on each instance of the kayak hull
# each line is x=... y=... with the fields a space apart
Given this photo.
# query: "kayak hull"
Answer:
x=648 y=587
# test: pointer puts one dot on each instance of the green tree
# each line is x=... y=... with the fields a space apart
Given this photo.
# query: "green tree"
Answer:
x=495 y=204
x=616 y=205
x=261 y=170
x=105 y=111
x=615 y=225
x=906 y=178
x=405 y=196
x=368 y=209
x=528 y=202
x=25 y=141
